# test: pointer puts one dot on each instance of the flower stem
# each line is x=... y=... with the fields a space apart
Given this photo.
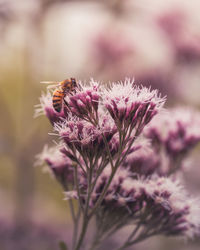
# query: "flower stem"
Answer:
x=141 y=237
x=75 y=231
x=77 y=187
x=86 y=219
x=83 y=232
x=101 y=197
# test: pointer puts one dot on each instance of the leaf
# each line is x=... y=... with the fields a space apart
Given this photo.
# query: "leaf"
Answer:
x=63 y=245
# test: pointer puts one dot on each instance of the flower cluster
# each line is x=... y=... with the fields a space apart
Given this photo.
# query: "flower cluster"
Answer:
x=174 y=134
x=84 y=103
x=131 y=106
x=114 y=159
x=142 y=159
x=184 y=42
x=59 y=164
x=83 y=136
x=46 y=107
x=162 y=204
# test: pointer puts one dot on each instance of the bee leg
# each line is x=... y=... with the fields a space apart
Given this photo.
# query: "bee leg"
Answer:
x=65 y=102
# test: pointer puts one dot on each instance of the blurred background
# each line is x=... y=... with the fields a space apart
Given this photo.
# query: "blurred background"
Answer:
x=156 y=42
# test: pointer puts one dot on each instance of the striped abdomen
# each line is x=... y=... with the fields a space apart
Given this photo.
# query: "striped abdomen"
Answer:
x=58 y=96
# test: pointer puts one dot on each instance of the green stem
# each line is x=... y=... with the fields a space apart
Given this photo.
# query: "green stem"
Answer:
x=96 y=241
x=71 y=206
x=101 y=197
x=77 y=187
x=85 y=210
x=143 y=235
x=86 y=216
x=108 y=151
x=83 y=232
x=75 y=231
x=134 y=232
x=73 y=215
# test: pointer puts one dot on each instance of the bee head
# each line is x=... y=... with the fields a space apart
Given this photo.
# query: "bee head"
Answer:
x=68 y=84
x=73 y=80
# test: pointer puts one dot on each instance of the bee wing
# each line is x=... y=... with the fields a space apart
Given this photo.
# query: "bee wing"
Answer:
x=48 y=82
x=53 y=84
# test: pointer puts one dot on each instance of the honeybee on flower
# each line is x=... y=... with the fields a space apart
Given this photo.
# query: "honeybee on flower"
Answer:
x=62 y=88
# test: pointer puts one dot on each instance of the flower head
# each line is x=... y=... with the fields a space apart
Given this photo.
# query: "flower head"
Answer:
x=46 y=107
x=114 y=171
x=180 y=215
x=84 y=103
x=130 y=105
x=84 y=136
x=59 y=164
x=142 y=158
x=107 y=51
x=178 y=130
x=162 y=204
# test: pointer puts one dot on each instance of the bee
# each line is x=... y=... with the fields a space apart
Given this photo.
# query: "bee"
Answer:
x=63 y=87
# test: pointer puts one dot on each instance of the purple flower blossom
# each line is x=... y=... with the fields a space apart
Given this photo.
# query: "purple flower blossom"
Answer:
x=84 y=103
x=130 y=105
x=113 y=170
x=59 y=164
x=107 y=52
x=173 y=135
x=178 y=131
x=160 y=203
x=142 y=158
x=84 y=136
x=184 y=42
x=46 y=107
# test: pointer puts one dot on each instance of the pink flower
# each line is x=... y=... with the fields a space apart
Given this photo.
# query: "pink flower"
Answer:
x=162 y=204
x=130 y=105
x=46 y=108
x=142 y=158
x=185 y=43
x=178 y=131
x=114 y=171
x=60 y=165
x=84 y=103
x=84 y=136
x=110 y=47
